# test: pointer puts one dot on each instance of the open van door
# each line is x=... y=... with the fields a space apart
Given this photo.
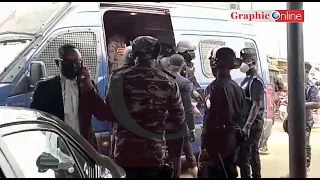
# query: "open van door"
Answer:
x=123 y=22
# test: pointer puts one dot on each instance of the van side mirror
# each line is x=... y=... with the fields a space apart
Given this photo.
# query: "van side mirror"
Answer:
x=37 y=72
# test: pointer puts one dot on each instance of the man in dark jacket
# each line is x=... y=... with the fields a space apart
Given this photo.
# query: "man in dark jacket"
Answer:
x=176 y=62
x=71 y=95
x=145 y=101
x=222 y=134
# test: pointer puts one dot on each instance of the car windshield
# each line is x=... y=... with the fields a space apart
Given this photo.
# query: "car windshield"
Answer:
x=9 y=50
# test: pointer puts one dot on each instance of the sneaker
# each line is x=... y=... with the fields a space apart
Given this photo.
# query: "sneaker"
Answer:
x=308 y=172
x=193 y=172
x=263 y=151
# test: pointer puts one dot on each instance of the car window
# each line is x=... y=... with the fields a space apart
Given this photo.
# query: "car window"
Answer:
x=42 y=154
x=90 y=169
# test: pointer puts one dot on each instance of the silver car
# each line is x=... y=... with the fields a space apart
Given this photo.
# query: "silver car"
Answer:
x=34 y=144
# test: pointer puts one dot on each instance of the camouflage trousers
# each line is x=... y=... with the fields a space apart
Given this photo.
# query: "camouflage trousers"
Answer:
x=308 y=146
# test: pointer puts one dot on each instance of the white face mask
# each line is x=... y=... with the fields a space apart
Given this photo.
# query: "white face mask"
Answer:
x=244 y=68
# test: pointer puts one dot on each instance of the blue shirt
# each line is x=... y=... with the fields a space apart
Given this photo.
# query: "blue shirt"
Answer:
x=312 y=95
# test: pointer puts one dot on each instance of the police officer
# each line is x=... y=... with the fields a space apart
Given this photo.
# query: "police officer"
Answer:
x=176 y=62
x=144 y=98
x=187 y=50
x=222 y=133
x=311 y=103
x=253 y=113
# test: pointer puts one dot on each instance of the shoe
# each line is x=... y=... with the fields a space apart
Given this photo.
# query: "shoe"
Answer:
x=263 y=151
x=308 y=172
x=193 y=172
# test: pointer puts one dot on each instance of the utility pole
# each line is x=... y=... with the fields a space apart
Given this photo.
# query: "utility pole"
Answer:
x=296 y=108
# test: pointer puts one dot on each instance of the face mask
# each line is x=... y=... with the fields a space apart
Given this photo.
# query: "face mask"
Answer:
x=244 y=68
x=69 y=70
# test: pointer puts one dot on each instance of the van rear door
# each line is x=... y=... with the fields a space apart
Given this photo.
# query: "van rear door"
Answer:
x=149 y=27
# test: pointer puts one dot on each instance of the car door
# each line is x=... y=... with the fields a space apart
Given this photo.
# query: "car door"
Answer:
x=42 y=154
x=9 y=168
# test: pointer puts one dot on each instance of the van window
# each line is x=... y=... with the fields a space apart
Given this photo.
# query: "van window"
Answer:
x=85 y=41
x=236 y=43
x=204 y=47
x=122 y=27
x=249 y=43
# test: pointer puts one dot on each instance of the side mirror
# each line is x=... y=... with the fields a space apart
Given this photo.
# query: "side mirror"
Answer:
x=37 y=72
x=46 y=161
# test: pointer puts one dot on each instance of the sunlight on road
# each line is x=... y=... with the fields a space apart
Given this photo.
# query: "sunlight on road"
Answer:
x=276 y=164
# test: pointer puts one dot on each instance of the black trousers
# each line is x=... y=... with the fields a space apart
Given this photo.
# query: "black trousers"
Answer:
x=187 y=149
x=248 y=155
x=225 y=169
x=146 y=172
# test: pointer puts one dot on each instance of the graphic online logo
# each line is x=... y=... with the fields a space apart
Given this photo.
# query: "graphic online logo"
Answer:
x=268 y=16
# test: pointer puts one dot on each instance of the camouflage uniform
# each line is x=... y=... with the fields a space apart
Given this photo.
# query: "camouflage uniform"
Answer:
x=153 y=100
x=312 y=95
x=128 y=61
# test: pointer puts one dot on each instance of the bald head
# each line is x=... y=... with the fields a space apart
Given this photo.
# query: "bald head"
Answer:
x=68 y=50
x=176 y=62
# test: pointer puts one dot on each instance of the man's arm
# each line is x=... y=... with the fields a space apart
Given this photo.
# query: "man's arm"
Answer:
x=257 y=95
x=313 y=98
x=100 y=109
x=187 y=104
x=176 y=118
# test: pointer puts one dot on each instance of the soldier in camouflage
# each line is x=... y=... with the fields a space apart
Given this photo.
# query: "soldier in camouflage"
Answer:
x=127 y=61
x=151 y=103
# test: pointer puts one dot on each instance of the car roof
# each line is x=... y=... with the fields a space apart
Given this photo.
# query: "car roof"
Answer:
x=10 y=115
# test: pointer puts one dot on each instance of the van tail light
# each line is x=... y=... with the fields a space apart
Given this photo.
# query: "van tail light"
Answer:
x=269 y=100
x=105 y=143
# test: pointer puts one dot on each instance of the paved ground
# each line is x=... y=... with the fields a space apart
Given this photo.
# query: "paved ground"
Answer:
x=276 y=164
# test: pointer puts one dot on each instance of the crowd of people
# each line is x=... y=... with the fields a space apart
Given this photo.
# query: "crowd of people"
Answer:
x=150 y=101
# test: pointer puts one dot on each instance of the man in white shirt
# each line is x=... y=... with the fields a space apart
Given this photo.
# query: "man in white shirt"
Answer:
x=71 y=95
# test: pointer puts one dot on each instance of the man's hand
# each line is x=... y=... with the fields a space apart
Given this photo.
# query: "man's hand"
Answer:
x=196 y=112
x=84 y=80
x=197 y=97
x=203 y=156
x=192 y=135
x=246 y=129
